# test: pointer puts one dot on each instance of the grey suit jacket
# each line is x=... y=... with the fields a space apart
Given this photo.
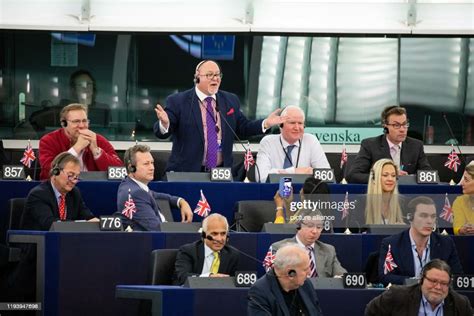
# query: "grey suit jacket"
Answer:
x=327 y=264
x=412 y=157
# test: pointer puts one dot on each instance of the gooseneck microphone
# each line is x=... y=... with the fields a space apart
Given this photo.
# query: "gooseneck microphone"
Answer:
x=209 y=237
x=454 y=137
x=238 y=138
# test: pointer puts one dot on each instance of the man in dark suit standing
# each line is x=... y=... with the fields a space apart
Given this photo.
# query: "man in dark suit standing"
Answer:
x=412 y=249
x=286 y=289
x=406 y=152
x=433 y=295
x=202 y=122
x=209 y=257
x=57 y=199
x=147 y=215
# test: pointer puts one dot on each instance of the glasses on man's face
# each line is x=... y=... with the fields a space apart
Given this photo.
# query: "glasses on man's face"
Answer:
x=77 y=122
x=443 y=284
x=210 y=75
x=72 y=176
x=398 y=125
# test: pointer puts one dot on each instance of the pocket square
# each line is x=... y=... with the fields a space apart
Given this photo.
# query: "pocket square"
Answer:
x=230 y=112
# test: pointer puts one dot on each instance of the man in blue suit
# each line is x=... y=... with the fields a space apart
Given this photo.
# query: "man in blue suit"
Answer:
x=286 y=289
x=412 y=249
x=147 y=215
x=202 y=122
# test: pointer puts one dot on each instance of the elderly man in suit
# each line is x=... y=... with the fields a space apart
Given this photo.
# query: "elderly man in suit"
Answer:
x=202 y=122
x=406 y=152
x=209 y=257
x=285 y=289
x=431 y=296
x=147 y=215
x=323 y=258
x=57 y=199
x=404 y=255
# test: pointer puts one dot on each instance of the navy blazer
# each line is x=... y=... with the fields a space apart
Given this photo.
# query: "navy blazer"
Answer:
x=41 y=207
x=412 y=157
x=265 y=298
x=441 y=247
x=187 y=131
x=147 y=215
x=190 y=261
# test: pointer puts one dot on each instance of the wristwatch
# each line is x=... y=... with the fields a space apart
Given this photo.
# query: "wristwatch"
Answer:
x=97 y=152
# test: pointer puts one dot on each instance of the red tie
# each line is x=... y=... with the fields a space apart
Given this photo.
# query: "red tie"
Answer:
x=62 y=207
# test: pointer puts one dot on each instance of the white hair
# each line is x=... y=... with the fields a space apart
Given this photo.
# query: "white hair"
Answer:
x=292 y=107
x=217 y=216
x=287 y=256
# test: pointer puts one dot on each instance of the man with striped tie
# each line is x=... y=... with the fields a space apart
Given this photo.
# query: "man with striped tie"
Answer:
x=323 y=258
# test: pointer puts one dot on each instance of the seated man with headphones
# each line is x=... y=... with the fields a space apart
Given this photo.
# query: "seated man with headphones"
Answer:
x=285 y=289
x=407 y=153
x=433 y=295
x=293 y=151
x=404 y=255
x=57 y=199
x=147 y=215
x=210 y=256
x=323 y=258
x=203 y=122
x=95 y=153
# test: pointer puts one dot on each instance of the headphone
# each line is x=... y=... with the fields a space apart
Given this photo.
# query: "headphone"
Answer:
x=59 y=165
x=131 y=167
x=63 y=123
x=292 y=273
x=196 y=79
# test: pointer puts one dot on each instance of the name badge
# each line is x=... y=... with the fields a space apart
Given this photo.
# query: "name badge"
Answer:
x=116 y=173
x=245 y=278
x=427 y=176
x=221 y=175
x=110 y=223
x=354 y=280
x=463 y=282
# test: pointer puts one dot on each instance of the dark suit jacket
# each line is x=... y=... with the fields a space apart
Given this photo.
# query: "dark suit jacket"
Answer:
x=147 y=215
x=265 y=297
x=412 y=157
x=441 y=247
x=187 y=133
x=41 y=207
x=190 y=260
x=405 y=301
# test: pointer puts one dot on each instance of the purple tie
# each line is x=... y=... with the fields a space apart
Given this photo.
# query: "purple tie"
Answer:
x=212 y=145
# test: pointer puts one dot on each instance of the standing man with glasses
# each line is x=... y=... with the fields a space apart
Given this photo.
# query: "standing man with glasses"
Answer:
x=57 y=199
x=403 y=255
x=95 y=153
x=431 y=296
x=407 y=153
x=202 y=121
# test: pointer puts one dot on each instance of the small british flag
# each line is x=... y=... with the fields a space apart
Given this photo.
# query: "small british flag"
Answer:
x=453 y=161
x=28 y=156
x=343 y=156
x=203 y=208
x=389 y=264
x=447 y=212
x=345 y=206
x=248 y=159
x=129 y=208
x=269 y=259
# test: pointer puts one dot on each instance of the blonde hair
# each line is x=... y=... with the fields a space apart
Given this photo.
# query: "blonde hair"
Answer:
x=373 y=207
x=470 y=168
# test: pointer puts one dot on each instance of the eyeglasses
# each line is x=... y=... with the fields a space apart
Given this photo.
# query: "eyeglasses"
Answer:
x=437 y=282
x=398 y=125
x=77 y=122
x=311 y=225
x=210 y=75
x=72 y=177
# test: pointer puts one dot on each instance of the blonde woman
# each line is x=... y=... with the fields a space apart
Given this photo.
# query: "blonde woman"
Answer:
x=382 y=206
x=463 y=206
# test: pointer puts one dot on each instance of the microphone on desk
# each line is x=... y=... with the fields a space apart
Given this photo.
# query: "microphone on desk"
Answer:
x=238 y=138
x=209 y=237
x=461 y=155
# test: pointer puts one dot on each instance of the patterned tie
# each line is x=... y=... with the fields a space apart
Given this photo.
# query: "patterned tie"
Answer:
x=287 y=163
x=215 y=263
x=396 y=155
x=212 y=146
x=62 y=207
x=312 y=263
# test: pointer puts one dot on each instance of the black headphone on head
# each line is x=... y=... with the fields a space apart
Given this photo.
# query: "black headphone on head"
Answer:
x=58 y=166
x=196 y=79
x=292 y=273
x=63 y=123
x=131 y=167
